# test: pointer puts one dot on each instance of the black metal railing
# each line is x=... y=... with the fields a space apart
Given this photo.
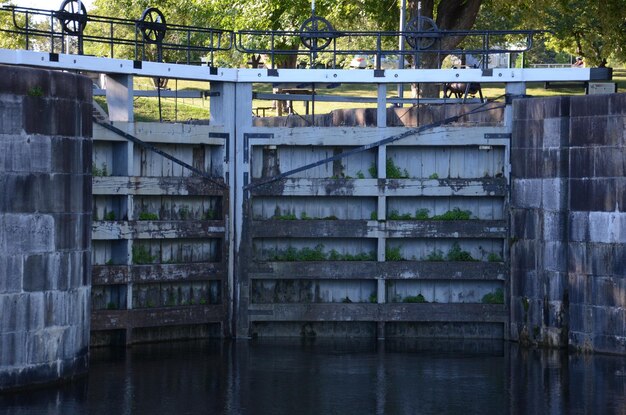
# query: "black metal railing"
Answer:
x=150 y=38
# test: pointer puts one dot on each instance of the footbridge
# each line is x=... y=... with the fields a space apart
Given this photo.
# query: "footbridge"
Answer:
x=390 y=220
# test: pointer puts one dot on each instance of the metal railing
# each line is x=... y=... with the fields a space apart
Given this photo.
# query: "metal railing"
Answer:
x=150 y=38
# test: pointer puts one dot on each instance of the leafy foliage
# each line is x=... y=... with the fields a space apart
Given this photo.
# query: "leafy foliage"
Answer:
x=148 y=216
x=494 y=298
x=419 y=298
x=292 y=254
x=141 y=255
x=457 y=254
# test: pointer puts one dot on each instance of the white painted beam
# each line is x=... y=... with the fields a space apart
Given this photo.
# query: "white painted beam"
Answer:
x=322 y=76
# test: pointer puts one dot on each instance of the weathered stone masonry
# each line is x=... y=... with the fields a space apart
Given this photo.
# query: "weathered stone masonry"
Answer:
x=45 y=225
x=568 y=226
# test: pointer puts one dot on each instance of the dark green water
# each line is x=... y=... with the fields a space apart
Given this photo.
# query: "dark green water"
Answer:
x=334 y=377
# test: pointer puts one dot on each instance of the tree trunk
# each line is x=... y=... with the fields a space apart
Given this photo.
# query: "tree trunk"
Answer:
x=451 y=15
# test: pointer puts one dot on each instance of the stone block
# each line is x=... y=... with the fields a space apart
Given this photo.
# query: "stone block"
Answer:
x=555 y=256
x=555 y=163
x=67 y=118
x=11 y=268
x=10 y=116
x=523 y=255
x=29 y=233
x=601 y=256
x=609 y=161
x=35 y=311
x=578 y=226
x=86 y=126
x=63 y=85
x=87 y=150
x=589 y=131
x=13 y=349
x=619 y=261
x=554 y=226
x=68 y=231
x=531 y=134
x=22 y=80
x=525 y=163
x=581 y=161
x=589 y=105
x=593 y=195
x=526 y=193
x=605 y=292
x=37 y=271
x=556 y=285
x=56 y=307
x=553 y=129
x=616 y=103
x=577 y=260
x=579 y=287
x=523 y=224
x=67 y=155
x=554 y=194
x=607 y=227
x=614 y=134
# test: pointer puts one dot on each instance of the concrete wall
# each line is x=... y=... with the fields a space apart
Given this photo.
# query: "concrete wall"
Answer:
x=568 y=226
x=45 y=222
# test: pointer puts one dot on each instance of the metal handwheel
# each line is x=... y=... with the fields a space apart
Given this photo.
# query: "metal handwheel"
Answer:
x=152 y=25
x=73 y=16
x=420 y=24
x=316 y=33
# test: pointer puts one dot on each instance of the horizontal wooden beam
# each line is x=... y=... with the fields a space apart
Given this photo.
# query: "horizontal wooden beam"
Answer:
x=106 y=230
x=146 y=186
x=424 y=312
x=355 y=270
x=445 y=136
x=383 y=187
x=124 y=274
x=157 y=317
x=483 y=229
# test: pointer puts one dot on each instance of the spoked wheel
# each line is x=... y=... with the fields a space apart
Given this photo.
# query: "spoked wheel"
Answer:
x=316 y=33
x=73 y=16
x=425 y=29
x=152 y=25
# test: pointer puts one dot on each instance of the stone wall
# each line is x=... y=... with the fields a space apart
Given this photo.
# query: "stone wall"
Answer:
x=45 y=225
x=568 y=226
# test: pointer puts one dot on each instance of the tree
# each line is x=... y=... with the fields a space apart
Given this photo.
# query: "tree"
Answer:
x=448 y=15
x=593 y=30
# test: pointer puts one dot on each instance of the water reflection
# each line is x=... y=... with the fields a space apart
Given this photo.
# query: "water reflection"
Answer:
x=323 y=376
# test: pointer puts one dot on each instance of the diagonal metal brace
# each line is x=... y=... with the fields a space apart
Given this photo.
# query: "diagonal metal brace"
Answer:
x=366 y=147
x=152 y=148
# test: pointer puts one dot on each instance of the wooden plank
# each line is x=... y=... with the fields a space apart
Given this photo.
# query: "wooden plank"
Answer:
x=123 y=274
x=135 y=185
x=425 y=312
x=388 y=187
x=376 y=229
x=357 y=136
x=156 y=317
x=166 y=133
x=392 y=270
x=157 y=229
